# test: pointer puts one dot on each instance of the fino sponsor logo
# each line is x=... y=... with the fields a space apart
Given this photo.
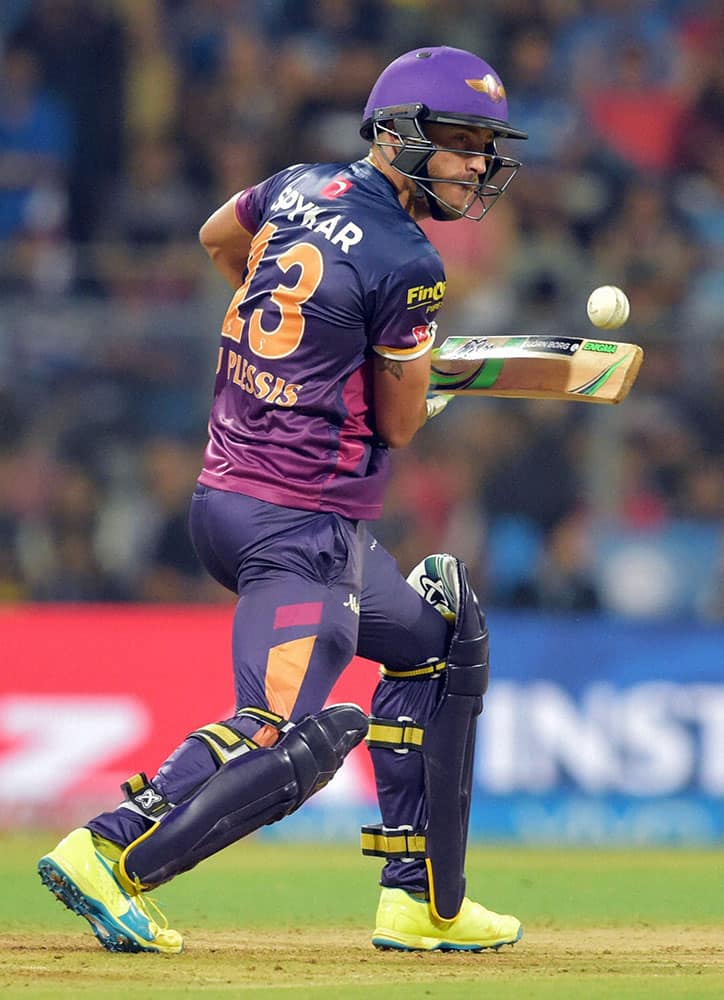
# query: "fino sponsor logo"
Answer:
x=419 y=295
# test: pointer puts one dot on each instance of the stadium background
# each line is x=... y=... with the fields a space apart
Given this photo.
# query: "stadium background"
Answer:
x=594 y=534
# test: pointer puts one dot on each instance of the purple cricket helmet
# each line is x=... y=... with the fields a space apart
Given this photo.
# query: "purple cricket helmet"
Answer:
x=455 y=86
x=452 y=87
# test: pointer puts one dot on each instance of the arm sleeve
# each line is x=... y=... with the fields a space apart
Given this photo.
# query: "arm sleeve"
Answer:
x=404 y=308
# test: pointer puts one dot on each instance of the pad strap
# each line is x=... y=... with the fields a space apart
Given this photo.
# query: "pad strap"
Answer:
x=395 y=734
x=380 y=841
x=266 y=718
x=145 y=797
x=226 y=743
x=420 y=672
x=223 y=741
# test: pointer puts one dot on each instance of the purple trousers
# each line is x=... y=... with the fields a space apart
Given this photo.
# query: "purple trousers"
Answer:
x=314 y=589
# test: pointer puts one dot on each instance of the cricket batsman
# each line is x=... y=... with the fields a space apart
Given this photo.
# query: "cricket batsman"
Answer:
x=323 y=366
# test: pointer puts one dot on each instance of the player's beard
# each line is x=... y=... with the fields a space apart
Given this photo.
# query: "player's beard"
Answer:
x=452 y=200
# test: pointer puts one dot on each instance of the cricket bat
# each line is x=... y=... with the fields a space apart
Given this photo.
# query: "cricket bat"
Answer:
x=536 y=367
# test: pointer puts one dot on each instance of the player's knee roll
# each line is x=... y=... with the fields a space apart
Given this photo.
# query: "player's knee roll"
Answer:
x=318 y=745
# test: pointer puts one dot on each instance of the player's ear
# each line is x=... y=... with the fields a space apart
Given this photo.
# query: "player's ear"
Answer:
x=388 y=138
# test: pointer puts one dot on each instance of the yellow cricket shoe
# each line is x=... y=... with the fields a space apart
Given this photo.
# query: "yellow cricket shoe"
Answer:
x=83 y=879
x=407 y=924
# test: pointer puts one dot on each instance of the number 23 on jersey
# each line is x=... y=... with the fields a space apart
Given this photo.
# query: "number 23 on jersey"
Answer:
x=284 y=338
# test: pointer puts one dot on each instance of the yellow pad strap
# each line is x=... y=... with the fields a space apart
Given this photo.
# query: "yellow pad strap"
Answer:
x=395 y=734
x=266 y=718
x=419 y=673
x=222 y=740
x=262 y=715
x=392 y=842
x=135 y=783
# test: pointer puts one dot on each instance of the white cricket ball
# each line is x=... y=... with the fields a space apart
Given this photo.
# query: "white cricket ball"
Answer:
x=608 y=307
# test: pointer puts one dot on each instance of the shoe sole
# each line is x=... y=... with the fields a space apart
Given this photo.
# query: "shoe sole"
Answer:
x=383 y=943
x=110 y=934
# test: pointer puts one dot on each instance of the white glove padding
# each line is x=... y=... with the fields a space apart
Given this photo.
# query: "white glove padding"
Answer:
x=437 y=403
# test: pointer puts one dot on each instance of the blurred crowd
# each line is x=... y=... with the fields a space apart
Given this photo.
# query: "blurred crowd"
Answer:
x=124 y=123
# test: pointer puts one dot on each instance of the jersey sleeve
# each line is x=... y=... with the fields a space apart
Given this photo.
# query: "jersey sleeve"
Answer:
x=250 y=206
x=252 y=203
x=405 y=306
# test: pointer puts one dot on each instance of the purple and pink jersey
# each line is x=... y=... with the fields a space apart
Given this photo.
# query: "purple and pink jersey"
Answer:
x=337 y=270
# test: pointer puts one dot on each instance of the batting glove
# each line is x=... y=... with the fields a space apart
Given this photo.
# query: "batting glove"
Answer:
x=437 y=403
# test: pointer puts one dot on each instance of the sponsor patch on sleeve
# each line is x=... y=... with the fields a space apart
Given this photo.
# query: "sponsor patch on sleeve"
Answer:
x=426 y=295
x=336 y=187
x=423 y=333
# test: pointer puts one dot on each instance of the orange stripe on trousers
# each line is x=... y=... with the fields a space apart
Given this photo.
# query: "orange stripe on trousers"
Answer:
x=286 y=667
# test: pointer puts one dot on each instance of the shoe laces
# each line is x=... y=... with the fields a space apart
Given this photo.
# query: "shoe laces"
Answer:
x=148 y=906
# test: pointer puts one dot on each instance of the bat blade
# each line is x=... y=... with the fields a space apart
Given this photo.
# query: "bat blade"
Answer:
x=536 y=367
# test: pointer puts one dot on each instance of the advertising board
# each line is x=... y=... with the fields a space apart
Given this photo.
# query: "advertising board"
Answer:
x=593 y=730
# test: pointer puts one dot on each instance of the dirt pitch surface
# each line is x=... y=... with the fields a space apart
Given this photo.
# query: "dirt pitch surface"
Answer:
x=604 y=962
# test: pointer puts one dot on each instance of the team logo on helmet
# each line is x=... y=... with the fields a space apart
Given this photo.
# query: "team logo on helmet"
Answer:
x=493 y=88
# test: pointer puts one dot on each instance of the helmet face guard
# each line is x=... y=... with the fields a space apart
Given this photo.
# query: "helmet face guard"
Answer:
x=412 y=150
x=404 y=99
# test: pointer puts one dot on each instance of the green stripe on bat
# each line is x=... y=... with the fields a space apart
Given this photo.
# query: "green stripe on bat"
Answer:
x=591 y=388
x=484 y=377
